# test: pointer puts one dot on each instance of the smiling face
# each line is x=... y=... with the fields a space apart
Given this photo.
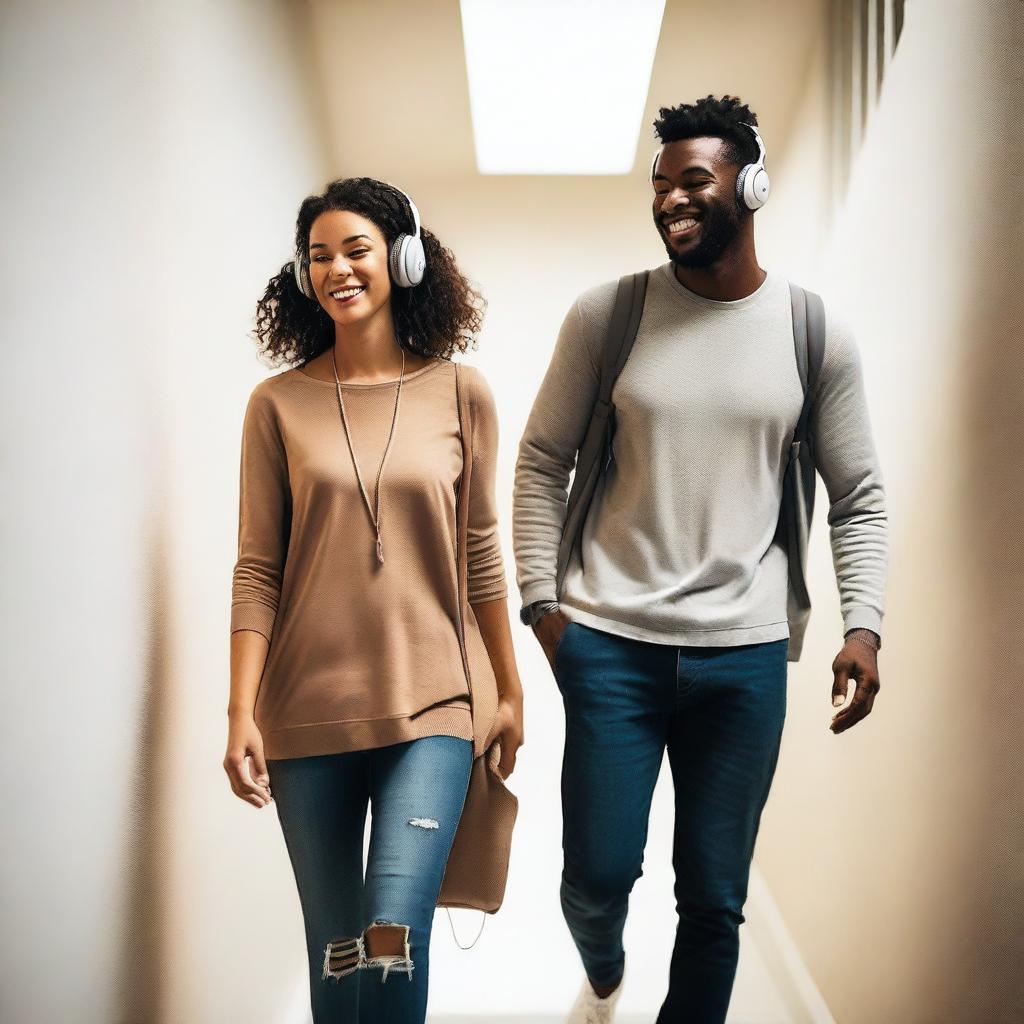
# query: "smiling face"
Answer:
x=694 y=207
x=348 y=265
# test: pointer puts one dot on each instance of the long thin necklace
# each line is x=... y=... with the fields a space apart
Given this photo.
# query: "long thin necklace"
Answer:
x=374 y=516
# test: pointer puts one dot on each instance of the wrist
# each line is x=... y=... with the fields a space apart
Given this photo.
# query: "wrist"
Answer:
x=539 y=609
x=868 y=637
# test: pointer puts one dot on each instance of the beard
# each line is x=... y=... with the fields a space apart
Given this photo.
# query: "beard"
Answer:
x=719 y=226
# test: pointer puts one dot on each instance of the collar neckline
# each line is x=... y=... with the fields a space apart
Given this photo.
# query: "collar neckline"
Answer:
x=766 y=286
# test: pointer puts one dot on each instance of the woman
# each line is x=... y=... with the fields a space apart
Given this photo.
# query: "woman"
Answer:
x=371 y=653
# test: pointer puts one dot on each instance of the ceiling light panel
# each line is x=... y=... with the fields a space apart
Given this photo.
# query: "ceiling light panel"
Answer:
x=558 y=86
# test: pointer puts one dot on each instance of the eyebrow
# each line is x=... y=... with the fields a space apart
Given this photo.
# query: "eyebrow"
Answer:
x=351 y=238
x=694 y=167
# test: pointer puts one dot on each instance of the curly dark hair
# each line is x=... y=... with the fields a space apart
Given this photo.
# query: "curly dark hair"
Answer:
x=711 y=116
x=438 y=317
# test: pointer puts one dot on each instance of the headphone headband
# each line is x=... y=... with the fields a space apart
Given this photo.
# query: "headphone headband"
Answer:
x=412 y=206
x=760 y=143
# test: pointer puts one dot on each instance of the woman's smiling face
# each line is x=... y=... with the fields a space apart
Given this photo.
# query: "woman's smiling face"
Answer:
x=348 y=265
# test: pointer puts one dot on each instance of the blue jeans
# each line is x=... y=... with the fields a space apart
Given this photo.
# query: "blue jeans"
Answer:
x=720 y=712
x=416 y=790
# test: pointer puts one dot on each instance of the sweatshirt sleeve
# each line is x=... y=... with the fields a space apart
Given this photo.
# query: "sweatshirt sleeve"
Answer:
x=485 y=566
x=844 y=454
x=554 y=431
x=264 y=518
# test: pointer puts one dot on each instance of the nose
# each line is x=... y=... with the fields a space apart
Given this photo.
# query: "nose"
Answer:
x=676 y=197
x=340 y=267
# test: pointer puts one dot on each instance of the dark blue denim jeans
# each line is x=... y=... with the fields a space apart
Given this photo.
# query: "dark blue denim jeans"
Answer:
x=719 y=711
x=416 y=791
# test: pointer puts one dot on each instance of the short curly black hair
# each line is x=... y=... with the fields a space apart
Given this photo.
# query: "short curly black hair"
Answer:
x=438 y=317
x=711 y=116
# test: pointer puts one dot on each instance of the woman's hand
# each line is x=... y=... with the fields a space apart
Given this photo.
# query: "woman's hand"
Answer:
x=508 y=731
x=245 y=749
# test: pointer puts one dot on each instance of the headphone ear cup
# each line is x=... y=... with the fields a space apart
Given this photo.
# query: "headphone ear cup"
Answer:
x=301 y=271
x=407 y=261
x=740 y=181
x=414 y=259
x=395 y=261
x=752 y=186
x=756 y=187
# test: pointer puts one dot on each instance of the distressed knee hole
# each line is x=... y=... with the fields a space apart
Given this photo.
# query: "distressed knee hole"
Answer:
x=424 y=823
x=343 y=956
x=387 y=946
x=383 y=944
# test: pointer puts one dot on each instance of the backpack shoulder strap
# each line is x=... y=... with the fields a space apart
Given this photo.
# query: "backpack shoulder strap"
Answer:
x=809 y=344
x=595 y=448
x=622 y=328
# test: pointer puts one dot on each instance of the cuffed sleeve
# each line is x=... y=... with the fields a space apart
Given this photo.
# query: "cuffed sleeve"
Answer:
x=844 y=454
x=264 y=519
x=485 y=568
x=554 y=431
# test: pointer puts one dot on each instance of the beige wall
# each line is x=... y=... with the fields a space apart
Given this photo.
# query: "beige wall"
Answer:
x=78 y=482
x=152 y=158
x=894 y=850
x=240 y=142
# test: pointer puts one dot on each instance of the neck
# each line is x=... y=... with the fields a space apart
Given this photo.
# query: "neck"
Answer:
x=368 y=351
x=734 y=275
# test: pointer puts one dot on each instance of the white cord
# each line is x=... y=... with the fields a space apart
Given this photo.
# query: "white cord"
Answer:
x=451 y=924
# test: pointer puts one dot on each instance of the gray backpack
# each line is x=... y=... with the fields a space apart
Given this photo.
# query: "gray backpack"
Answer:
x=595 y=453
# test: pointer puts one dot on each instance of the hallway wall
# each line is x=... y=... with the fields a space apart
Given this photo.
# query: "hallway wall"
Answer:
x=894 y=850
x=152 y=158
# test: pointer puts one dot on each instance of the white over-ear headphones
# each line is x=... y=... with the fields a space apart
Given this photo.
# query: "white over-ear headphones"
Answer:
x=752 y=184
x=407 y=261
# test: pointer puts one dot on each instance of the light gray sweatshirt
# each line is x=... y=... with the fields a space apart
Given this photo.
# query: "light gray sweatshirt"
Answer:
x=679 y=544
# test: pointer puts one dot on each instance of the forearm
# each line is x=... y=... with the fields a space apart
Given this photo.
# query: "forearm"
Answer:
x=859 y=541
x=554 y=430
x=538 y=518
x=248 y=657
x=845 y=456
x=492 y=617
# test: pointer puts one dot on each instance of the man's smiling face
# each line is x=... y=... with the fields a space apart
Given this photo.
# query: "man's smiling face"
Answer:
x=695 y=207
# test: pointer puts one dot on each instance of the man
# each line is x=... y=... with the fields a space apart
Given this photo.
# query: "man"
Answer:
x=670 y=628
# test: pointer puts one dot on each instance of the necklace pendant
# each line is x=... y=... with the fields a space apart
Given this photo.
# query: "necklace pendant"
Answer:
x=380 y=552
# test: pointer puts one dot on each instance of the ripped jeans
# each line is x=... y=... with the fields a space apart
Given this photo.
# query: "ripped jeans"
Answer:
x=358 y=970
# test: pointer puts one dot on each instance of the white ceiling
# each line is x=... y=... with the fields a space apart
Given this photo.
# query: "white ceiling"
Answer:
x=390 y=78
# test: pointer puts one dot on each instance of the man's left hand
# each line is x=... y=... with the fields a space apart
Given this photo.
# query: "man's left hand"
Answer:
x=858 y=660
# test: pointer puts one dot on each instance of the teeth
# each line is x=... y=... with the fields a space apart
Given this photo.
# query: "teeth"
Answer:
x=682 y=225
x=346 y=292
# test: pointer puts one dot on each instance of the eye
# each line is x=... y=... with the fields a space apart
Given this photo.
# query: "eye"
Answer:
x=358 y=252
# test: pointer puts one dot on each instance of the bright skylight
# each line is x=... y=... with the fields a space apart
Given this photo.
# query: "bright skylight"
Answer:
x=558 y=86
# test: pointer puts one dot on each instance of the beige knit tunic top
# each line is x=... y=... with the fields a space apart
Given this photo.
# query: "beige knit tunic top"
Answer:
x=362 y=654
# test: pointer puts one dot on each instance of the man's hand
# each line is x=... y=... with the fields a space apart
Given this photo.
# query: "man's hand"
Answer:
x=857 y=660
x=548 y=632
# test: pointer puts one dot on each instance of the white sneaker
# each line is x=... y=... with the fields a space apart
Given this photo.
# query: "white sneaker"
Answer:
x=590 y=1008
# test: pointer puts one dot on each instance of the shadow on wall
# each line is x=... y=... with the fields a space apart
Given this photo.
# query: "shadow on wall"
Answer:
x=145 y=957
x=992 y=414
